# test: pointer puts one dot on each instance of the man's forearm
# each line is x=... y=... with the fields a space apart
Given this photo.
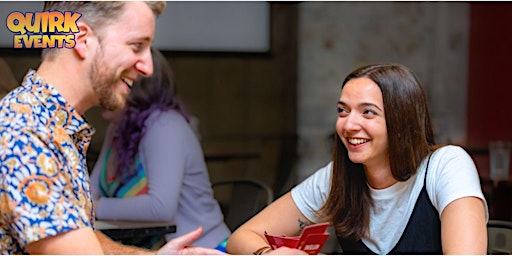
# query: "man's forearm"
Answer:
x=111 y=247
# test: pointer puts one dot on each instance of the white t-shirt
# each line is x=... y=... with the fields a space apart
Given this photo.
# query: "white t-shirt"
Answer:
x=451 y=175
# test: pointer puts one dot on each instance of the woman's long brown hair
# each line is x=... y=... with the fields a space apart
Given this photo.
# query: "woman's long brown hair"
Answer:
x=410 y=137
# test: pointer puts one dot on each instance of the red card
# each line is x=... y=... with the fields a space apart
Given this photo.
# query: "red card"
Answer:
x=311 y=239
x=278 y=241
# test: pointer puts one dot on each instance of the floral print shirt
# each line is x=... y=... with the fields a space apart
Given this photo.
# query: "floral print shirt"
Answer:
x=44 y=181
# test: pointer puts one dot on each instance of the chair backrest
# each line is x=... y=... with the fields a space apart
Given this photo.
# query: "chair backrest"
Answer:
x=499 y=237
x=245 y=198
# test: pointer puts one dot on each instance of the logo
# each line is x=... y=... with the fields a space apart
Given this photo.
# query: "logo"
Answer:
x=48 y=29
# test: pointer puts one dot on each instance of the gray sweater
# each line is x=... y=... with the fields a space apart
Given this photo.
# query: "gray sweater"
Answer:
x=179 y=187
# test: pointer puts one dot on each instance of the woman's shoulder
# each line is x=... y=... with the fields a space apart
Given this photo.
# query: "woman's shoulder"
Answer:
x=169 y=122
x=166 y=117
x=450 y=151
x=451 y=161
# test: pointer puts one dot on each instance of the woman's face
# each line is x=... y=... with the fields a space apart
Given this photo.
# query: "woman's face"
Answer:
x=361 y=122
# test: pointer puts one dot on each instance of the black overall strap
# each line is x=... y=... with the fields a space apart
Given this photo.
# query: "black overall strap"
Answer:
x=422 y=235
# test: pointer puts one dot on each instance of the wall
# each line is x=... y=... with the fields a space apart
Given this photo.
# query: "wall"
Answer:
x=256 y=104
x=188 y=25
x=489 y=92
x=336 y=37
x=245 y=102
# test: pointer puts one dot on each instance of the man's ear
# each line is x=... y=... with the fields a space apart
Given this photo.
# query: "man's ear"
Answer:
x=83 y=40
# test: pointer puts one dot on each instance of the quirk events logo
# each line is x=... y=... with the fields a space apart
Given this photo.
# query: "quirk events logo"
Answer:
x=48 y=29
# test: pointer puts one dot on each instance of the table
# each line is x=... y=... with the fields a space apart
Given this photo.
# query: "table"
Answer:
x=118 y=230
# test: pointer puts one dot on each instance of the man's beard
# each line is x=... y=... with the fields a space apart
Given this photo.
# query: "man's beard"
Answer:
x=104 y=81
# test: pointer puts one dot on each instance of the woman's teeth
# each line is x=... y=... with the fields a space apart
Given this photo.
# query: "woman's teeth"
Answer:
x=357 y=141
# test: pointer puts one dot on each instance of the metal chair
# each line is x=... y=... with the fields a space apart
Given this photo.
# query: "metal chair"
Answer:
x=499 y=237
x=240 y=199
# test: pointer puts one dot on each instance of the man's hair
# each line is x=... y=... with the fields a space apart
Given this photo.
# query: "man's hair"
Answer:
x=95 y=14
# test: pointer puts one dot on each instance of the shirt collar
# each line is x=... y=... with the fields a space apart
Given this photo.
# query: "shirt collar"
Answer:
x=69 y=118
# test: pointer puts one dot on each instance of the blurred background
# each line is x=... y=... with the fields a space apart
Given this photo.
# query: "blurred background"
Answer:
x=263 y=78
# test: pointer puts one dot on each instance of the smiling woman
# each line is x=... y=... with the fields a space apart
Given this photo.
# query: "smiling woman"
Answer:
x=386 y=168
x=362 y=122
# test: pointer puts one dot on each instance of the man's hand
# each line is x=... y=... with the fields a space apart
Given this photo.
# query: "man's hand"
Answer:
x=180 y=244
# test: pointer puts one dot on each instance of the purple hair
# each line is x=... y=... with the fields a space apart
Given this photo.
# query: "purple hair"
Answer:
x=148 y=94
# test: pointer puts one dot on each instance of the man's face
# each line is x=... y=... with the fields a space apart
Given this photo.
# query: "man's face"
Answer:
x=123 y=54
x=112 y=116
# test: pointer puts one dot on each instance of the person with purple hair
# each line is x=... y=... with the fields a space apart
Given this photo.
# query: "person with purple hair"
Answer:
x=151 y=166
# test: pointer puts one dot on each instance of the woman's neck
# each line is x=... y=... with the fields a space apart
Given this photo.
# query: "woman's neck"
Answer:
x=380 y=177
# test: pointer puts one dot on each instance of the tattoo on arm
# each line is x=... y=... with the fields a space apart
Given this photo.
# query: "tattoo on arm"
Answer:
x=302 y=224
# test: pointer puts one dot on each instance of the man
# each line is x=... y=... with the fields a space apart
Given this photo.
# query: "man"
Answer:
x=45 y=202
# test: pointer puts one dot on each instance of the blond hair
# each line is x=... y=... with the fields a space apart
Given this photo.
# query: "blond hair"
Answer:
x=95 y=14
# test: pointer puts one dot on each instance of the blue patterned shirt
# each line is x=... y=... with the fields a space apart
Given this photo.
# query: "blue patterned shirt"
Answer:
x=44 y=182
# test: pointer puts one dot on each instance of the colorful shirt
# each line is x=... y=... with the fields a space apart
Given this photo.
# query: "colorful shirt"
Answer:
x=131 y=185
x=127 y=185
x=44 y=184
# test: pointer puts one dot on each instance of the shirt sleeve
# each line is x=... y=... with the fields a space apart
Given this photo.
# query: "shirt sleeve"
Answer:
x=162 y=152
x=39 y=196
x=454 y=175
x=311 y=194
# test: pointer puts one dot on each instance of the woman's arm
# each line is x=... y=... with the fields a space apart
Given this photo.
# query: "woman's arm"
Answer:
x=282 y=217
x=285 y=216
x=463 y=227
x=454 y=188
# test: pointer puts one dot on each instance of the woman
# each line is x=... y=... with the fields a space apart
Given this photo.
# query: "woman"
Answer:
x=151 y=166
x=389 y=188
